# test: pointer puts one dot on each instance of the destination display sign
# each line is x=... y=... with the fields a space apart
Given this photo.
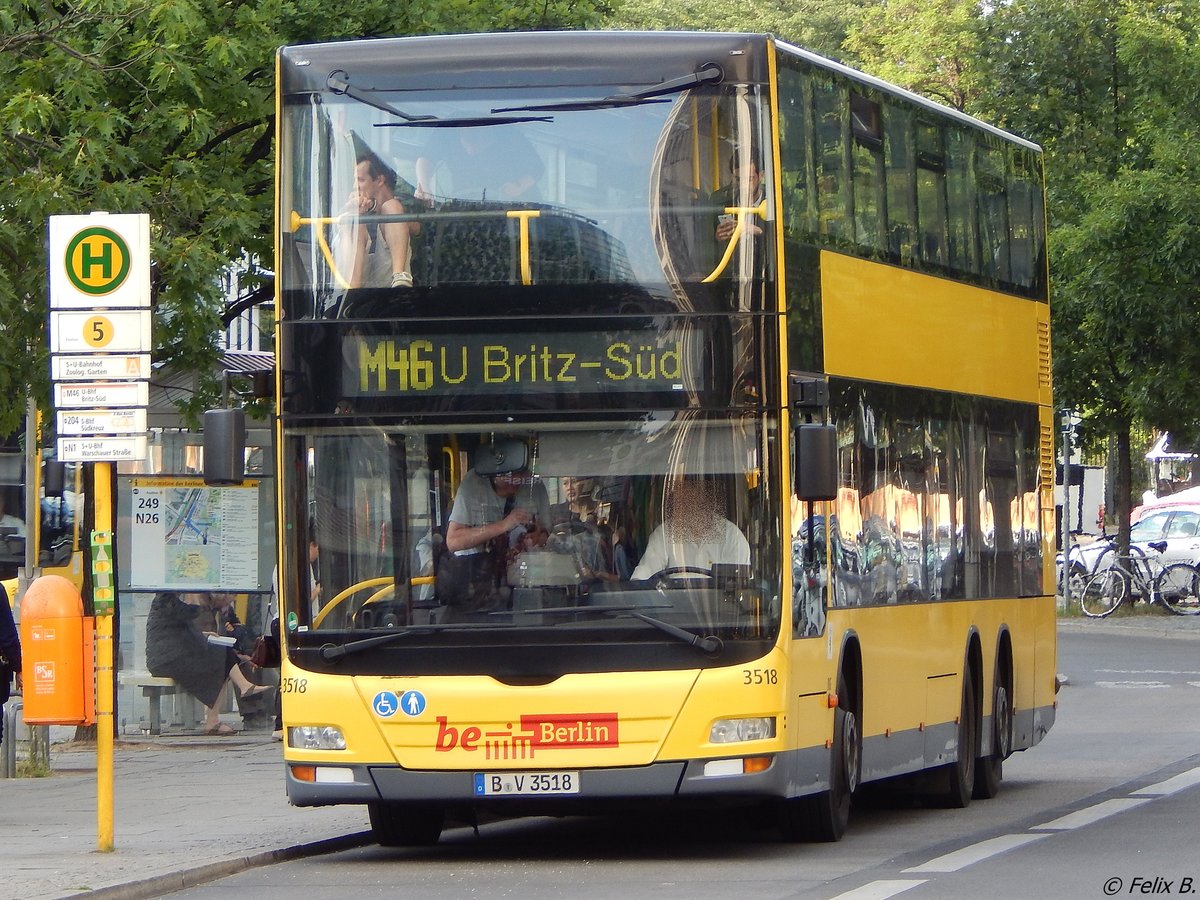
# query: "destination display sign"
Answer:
x=102 y=422
x=99 y=368
x=102 y=394
x=103 y=449
x=535 y=362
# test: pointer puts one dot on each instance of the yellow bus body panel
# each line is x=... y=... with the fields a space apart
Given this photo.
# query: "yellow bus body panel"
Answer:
x=606 y=719
x=888 y=324
x=914 y=656
x=757 y=689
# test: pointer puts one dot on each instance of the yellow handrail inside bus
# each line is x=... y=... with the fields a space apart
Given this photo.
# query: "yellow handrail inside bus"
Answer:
x=739 y=226
x=297 y=220
x=388 y=585
x=523 y=216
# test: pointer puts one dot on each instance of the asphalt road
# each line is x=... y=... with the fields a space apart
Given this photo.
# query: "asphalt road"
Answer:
x=1106 y=805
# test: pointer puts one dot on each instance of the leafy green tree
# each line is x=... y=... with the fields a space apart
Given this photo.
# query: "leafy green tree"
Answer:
x=1109 y=90
x=166 y=107
x=817 y=25
x=927 y=46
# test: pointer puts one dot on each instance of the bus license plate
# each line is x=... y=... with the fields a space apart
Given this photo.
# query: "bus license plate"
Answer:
x=524 y=784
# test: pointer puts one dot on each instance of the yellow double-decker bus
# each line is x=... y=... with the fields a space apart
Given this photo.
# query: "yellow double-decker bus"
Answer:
x=662 y=418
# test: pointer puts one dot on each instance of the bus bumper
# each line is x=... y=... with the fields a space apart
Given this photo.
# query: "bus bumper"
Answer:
x=790 y=774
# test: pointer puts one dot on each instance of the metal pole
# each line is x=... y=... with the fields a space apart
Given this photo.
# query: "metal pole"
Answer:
x=1068 y=431
x=103 y=608
x=33 y=500
x=8 y=746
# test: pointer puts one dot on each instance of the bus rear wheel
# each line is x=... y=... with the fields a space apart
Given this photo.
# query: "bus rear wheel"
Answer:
x=405 y=824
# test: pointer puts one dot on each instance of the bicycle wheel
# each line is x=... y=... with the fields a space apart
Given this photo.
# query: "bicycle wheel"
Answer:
x=1178 y=587
x=1103 y=592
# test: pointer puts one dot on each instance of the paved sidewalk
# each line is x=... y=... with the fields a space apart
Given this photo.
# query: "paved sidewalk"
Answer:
x=190 y=808
x=187 y=809
x=1150 y=623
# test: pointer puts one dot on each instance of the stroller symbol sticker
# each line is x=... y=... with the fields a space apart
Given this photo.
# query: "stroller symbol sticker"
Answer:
x=412 y=703
x=385 y=704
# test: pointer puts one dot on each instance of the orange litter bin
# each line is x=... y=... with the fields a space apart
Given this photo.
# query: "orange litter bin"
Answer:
x=58 y=655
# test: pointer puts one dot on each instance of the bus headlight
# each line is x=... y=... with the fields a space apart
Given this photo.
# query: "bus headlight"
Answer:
x=729 y=731
x=316 y=737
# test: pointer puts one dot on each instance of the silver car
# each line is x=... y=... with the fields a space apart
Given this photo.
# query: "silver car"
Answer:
x=1174 y=528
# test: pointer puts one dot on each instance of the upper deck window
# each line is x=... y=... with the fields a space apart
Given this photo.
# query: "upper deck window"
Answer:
x=522 y=186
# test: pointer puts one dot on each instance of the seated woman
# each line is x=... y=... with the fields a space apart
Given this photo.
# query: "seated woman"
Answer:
x=177 y=647
x=694 y=532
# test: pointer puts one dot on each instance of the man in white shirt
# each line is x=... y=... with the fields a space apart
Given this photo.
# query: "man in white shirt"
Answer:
x=694 y=532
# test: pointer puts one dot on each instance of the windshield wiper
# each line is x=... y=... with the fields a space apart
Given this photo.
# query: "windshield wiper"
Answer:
x=464 y=122
x=339 y=82
x=710 y=645
x=333 y=652
x=709 y=73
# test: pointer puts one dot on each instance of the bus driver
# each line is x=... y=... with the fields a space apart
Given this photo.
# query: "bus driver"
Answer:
x=694 y=532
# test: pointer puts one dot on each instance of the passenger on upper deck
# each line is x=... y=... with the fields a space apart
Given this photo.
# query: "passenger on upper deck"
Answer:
x=694 y=533
x=744 y=190
x=382 y=253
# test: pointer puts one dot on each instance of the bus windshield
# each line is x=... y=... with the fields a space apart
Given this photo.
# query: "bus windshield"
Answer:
x=573 y=535
x=624 y=201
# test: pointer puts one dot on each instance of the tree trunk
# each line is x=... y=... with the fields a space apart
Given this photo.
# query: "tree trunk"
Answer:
x=1121 y=488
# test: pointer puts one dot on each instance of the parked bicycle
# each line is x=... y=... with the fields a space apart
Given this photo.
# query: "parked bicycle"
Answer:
x=1140 y=574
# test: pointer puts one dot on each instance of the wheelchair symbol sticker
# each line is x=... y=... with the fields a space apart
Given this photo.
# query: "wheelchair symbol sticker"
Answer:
x=412 y=703
x=385 y=704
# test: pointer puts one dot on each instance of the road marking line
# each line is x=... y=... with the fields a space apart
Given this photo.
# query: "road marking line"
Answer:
x=1172 y=785
x=881 y=890
x=1131 y=684
x=967 y=856
x=1091 y=814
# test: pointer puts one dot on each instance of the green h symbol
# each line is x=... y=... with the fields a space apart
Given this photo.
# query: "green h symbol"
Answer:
x=111 y=256
x=89 y=258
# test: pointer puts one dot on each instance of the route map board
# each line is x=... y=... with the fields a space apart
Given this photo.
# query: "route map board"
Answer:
x=182 y=534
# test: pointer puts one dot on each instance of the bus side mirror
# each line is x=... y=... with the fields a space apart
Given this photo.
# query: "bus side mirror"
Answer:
x=814 y=474
x=224 y=446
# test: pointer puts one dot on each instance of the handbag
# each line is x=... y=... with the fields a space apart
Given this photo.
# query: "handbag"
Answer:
x=465 y=580
x=266 y=652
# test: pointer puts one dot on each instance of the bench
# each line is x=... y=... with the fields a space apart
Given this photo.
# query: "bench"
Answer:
x=153 y=688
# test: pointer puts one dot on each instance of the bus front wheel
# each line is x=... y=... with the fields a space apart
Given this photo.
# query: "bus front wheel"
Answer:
x=405 y=824
x=824 y=816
